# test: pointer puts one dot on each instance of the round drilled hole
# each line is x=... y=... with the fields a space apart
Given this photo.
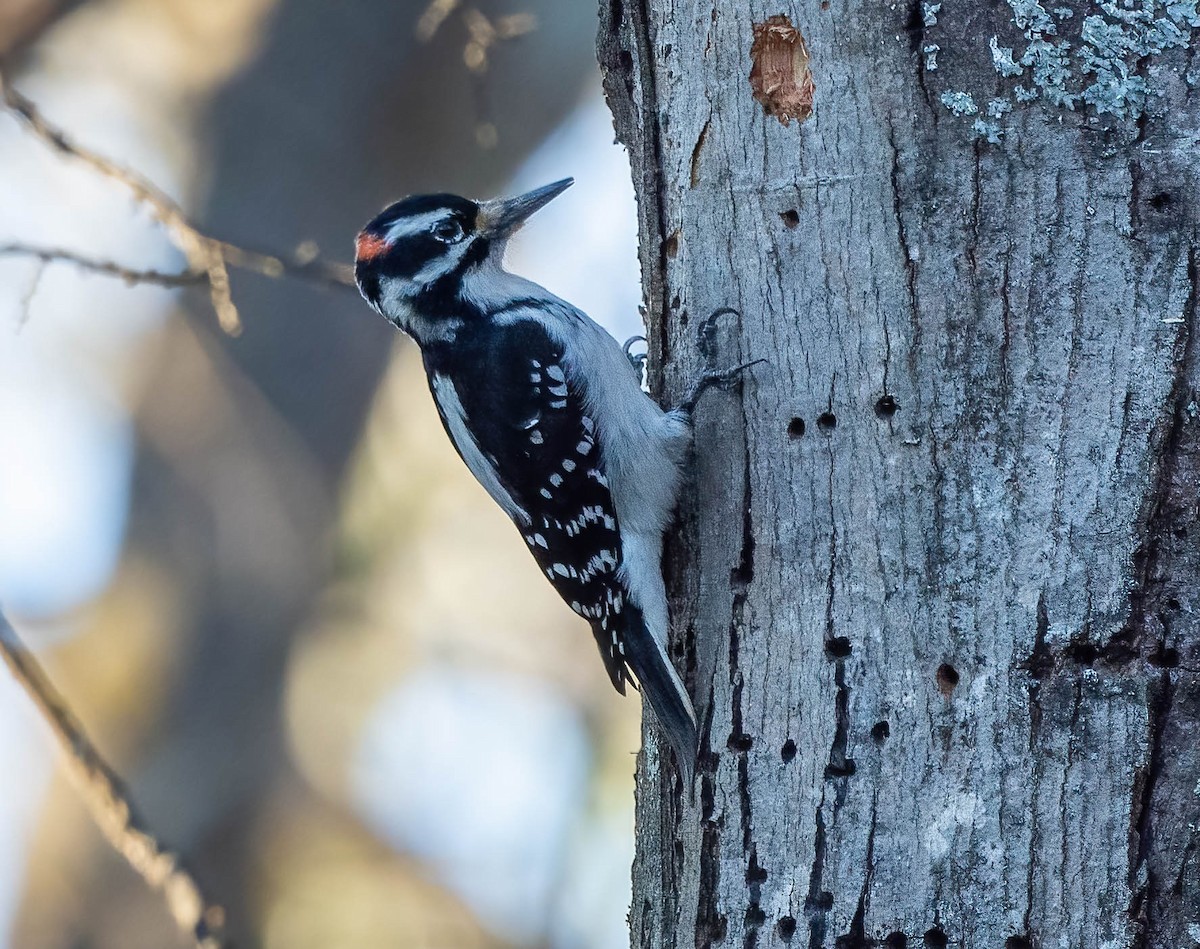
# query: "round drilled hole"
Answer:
x=936 y=939
x=887 y=406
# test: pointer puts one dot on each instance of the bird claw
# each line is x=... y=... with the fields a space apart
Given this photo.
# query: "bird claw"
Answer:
x=723 y=379
x=638 y=361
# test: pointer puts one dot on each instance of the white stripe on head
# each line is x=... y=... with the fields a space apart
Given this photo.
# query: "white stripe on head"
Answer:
x=443 y=263
x=417 y=224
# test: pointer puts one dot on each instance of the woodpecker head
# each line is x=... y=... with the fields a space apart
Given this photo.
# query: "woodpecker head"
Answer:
x=414 y=261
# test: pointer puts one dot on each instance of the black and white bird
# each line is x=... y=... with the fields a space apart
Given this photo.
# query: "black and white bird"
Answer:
x=548 y=413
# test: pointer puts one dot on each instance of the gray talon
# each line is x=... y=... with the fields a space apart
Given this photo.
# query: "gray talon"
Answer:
x=638 y=361
x=722 y=379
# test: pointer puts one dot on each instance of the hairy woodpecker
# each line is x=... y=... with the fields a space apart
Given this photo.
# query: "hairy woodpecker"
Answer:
x=547 y=412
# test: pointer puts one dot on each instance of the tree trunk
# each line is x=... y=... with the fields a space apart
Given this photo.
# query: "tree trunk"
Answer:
x=935 y=591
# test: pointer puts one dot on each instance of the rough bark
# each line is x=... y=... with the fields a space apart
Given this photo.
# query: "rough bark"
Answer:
x=935 y=589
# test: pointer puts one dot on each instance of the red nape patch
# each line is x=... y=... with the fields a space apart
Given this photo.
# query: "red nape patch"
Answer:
x=369 y=246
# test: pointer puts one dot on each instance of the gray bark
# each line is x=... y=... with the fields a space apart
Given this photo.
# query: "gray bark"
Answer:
x=935 y=589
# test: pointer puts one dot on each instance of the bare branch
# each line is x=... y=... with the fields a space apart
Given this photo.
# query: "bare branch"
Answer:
x=209 y=259
x=109 y=268
x=483 y=33
x=252 y=261
x=109 y=803
x=301 y=266
x=434 y=16
x=30 y=292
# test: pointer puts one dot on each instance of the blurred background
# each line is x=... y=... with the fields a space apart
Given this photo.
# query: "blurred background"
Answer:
x=309 y=642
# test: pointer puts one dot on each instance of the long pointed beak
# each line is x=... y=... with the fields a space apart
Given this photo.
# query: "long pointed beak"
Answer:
x=501 y=217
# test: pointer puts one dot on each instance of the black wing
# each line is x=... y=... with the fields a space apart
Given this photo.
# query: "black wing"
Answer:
x=530 y=427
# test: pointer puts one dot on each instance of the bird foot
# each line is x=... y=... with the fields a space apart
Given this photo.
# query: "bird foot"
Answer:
x=721 y=379
x=637 y=360
x=714 y=378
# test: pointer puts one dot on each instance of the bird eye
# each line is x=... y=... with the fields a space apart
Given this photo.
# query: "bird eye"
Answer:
x=448 y=232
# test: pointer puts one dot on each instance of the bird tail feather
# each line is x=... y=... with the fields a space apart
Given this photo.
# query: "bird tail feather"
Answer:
x=663 y=689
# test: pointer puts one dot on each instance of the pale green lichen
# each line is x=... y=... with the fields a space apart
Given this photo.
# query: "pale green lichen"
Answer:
x=1002 y=59
x=1050 y=66
x=998 y=108
x=990 y=131
x=929 y=12
x=931 y=50
x=960 y=103
x=1108 y=69
x=1031 y=16
x=1112 y=45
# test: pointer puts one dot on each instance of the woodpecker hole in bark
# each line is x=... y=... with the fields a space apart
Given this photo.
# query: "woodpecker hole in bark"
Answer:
x=796 y=428
x=936 y=939
x=886 y=407
x=881 y=731
x=826 y=421
x=947 y=678
x=791 y=217
x=780 y=78
x=740 y=742
x=838 y=647
x=788 y=752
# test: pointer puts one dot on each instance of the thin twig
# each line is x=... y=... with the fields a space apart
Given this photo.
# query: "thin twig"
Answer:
x=109 y=803
x=302 y=267
x=109 y=268
x=26 y=303
x=252 y=261
x=206 y=255
x=483 y=33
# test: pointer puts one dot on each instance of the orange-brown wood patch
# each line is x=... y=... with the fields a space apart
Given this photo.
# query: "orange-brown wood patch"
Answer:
x=779 y=75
